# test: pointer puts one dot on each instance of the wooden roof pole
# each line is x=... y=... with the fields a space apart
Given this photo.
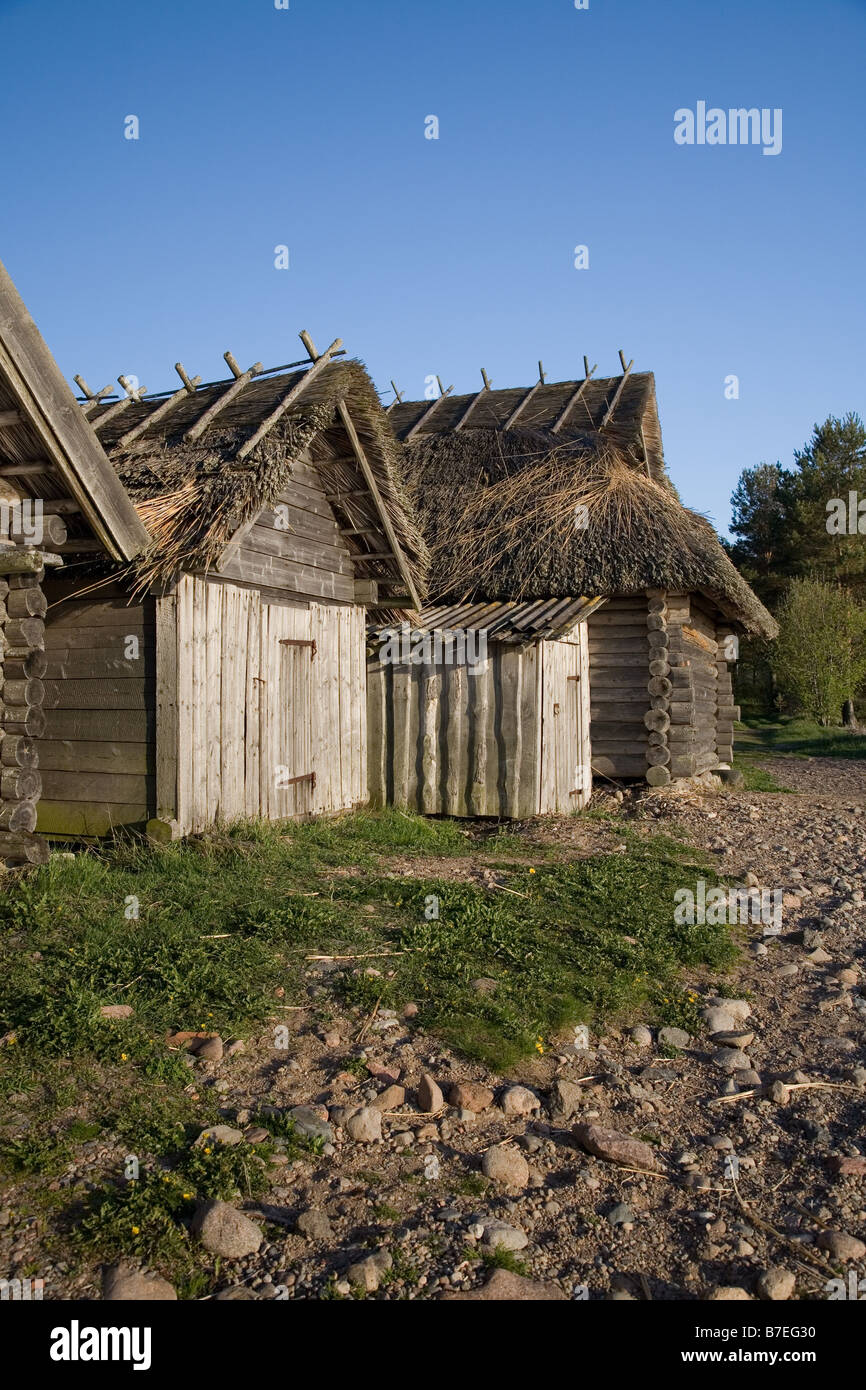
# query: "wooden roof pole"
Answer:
x=133 y=397
x=574 y=398
x=427 y=413
x=475 y=399
x=188 y=389
x=608 y=415
x=398 y=398
x=521 y=405
x=94 y=398
x=241 y=380
x=319 y=364
x=369 y=479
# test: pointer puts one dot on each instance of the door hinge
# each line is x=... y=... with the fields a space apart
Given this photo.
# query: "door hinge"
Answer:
x=300 y=642
x=292 y=781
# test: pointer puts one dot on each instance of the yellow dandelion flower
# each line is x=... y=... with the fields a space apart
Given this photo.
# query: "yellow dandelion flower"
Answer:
x=124 y=1057
x=136 y=1230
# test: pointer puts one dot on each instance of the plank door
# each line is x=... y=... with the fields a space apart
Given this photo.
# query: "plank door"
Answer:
x=286 y=712
x=566 y=775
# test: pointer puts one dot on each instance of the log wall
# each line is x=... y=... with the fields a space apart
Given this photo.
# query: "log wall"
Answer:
x=619 y=658
x=661 y=689
x=22 y=664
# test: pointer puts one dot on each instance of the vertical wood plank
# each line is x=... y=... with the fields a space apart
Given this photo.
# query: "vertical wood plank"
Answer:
x=214 y=601
x=185 y=695
x=401 y=697
x=512 y=727
x=318 y=708
x=479 y=691
x=232 y=695
x=429 y=713
x=167 y=713
x=457 y=775
x=378 y=696
x=266 y=749
x=199 y=712
x=585 y=745
x=344 y=686
x=359 y=705
x=252 y=729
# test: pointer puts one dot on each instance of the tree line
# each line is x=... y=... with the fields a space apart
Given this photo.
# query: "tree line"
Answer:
x=800 y=540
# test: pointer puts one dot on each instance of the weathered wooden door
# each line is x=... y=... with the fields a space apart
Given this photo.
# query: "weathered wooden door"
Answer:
x=287 y=700
x=566 y=772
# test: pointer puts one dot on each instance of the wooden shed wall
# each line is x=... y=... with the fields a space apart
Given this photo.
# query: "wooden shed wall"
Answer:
x=296 y=547
x=244 y=707
x=444 y=741
x=97 y=756
x=618 y=674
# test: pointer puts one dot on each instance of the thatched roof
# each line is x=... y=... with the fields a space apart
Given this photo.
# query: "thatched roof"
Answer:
x=524 y=513
x=633 y=427
x=194 y=494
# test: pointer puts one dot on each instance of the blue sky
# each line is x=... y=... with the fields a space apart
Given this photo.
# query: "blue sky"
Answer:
x=305 y=127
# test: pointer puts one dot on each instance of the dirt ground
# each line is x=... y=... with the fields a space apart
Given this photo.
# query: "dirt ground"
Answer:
x=750 y=1167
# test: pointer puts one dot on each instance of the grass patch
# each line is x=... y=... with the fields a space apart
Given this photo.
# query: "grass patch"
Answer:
x=223 y=928
x=148 y=1218
x=224 y=920
x=755 y=778
x=800 y=738
x=500 y=1258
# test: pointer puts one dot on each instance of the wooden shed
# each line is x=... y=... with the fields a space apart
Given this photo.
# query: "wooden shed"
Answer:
x=222 y=673
x=557 y=493
x=53 y=472
x=483 y=710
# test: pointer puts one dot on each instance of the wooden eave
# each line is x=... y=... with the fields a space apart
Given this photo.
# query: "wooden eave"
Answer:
x=62 y=435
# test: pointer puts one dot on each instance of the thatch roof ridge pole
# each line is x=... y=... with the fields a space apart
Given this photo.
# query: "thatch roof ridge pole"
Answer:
x=427 y=413
x=94 y=398
x=133 y=397
x=319 y=364
x=573 y=399
x=188 y=388
x=521 y=405
x=398 y=397
x=197 y=430
x=475 y=399
x=608 y=416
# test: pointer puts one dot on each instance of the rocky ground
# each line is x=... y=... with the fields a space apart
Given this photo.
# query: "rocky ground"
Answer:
x=635 y=1165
